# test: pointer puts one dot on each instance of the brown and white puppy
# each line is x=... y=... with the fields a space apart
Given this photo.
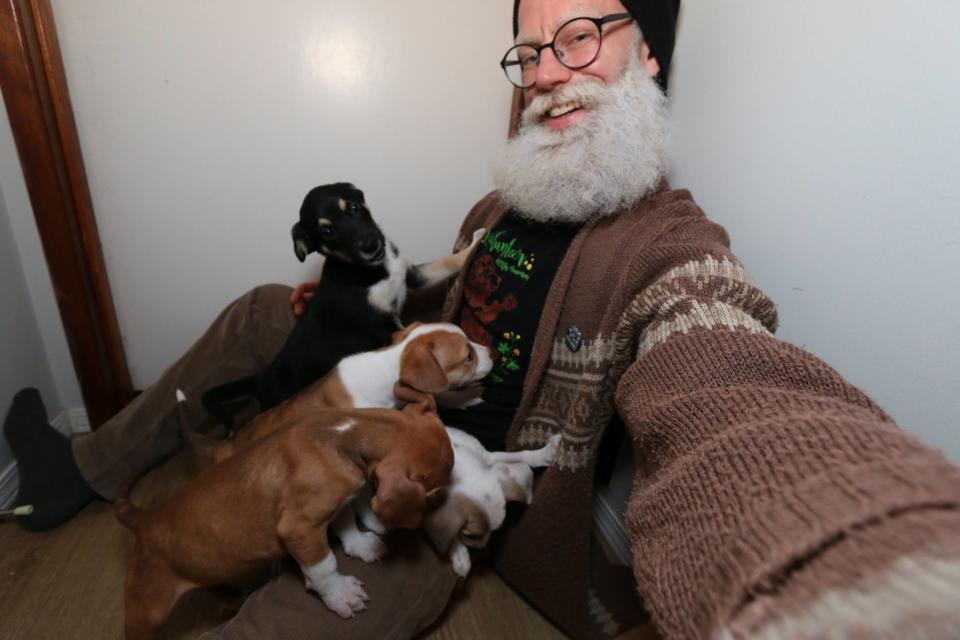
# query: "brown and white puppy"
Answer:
x=429 y=358
x=481 y=484
x=425 y=359
x=277 y=496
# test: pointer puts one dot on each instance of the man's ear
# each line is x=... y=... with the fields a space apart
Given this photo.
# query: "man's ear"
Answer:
x=399 y=501
x=420 y=369
x=649 y=62
x=301 y=242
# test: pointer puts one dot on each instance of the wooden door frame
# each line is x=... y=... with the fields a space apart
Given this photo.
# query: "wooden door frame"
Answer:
x=35 y=92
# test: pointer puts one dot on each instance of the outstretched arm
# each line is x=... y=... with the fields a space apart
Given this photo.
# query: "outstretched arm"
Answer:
x=771 y=496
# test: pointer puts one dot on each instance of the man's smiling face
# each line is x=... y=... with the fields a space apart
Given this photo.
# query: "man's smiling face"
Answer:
x=591 y=141
x=539 y=20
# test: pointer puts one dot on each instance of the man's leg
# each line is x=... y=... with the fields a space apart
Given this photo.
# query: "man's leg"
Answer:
x=244 y=338
x=409 y=588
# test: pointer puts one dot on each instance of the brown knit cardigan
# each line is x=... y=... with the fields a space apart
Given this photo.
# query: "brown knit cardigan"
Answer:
x=765 y=483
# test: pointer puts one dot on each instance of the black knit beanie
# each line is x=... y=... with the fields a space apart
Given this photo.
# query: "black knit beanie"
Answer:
x=658 y=22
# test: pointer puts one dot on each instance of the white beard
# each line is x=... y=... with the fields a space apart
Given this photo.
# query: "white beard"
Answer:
x=612 y=159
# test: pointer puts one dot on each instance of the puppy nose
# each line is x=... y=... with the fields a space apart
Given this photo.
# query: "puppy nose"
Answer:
x=370 y=245
x=484 y=361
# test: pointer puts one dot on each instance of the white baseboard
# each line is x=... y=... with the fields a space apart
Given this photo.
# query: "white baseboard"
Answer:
x=69 y=422
x=9 y=483
x=611 y=527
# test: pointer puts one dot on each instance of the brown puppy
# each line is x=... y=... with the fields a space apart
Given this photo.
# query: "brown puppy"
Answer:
x=278 y=496
x=424 y=359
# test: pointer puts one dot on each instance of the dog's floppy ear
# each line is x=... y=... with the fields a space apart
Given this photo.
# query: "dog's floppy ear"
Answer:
x=420 y=369
x=475 y=531
x=401 y=335
x=459 y=517
x=399 y=501
x=412 y=397
x=302 y=245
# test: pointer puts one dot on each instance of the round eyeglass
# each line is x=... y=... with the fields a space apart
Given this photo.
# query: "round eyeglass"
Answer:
x=576 y=44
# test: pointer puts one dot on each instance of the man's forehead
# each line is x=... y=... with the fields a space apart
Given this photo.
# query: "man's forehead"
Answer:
x=530 y=33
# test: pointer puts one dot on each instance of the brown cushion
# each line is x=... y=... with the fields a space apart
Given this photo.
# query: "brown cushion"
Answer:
x=409 y=588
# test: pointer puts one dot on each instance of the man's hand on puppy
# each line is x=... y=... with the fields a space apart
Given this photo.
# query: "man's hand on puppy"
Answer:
x=301 y=296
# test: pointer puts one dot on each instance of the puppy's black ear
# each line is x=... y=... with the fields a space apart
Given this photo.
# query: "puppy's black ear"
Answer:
x=356 y=192
x=301 y=242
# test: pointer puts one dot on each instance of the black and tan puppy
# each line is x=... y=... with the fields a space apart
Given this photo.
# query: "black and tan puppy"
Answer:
x=356 y=306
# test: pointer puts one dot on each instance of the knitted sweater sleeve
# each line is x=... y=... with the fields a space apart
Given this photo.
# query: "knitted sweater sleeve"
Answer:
x=771 y=498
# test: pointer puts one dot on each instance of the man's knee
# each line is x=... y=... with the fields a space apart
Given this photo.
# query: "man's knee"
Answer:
x=268 y=305
x=270 y=296
x=267 y=313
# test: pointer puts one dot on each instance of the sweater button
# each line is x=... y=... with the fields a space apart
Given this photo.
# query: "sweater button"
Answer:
x=573 y=339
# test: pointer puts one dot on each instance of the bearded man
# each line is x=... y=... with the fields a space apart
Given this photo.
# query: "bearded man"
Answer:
x=771 y=499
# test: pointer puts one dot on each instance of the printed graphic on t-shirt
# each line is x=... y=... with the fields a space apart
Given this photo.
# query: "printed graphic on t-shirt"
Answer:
x=504 y=292
x=480 y=299
x=509 y=258
x=507 y=354
x=495 y=284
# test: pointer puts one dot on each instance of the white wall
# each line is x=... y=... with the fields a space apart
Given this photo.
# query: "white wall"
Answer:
x=33 y=324
x=203 y=125
x=824 y=136
x=23 y=361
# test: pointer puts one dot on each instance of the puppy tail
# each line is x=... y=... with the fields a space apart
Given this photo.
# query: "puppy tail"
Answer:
x=202 y=447
x=182 y=414
x=126 y=512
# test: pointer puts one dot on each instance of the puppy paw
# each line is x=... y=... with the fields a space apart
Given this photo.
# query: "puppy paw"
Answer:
x=370 y=521
x=478 y=236
x=544 y=456
x=344 y=595
x=460 y=559
x=365 y=545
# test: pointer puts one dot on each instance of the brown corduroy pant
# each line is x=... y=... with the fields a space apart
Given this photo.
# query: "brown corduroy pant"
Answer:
x=408 y=589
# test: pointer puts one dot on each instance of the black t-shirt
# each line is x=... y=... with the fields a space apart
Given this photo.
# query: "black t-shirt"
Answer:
x=504 y=292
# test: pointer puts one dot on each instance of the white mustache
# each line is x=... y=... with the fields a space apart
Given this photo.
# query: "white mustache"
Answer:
x=588 y=93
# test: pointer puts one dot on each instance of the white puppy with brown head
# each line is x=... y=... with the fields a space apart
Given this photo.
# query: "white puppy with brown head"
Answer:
x=481 y=484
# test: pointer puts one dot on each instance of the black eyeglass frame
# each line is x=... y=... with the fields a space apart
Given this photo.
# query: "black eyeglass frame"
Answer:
x=599 y=22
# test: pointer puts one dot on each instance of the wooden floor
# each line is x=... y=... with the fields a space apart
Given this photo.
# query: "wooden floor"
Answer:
x=68 y=583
